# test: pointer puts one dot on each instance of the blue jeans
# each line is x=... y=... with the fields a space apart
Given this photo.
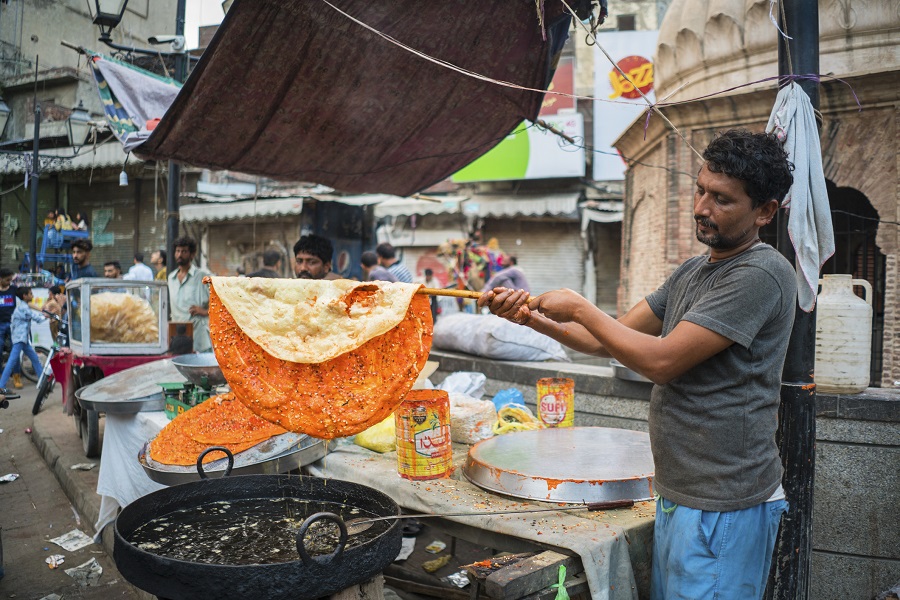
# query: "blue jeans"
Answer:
x=705 y=555
x=4 y=333
x=13 y=363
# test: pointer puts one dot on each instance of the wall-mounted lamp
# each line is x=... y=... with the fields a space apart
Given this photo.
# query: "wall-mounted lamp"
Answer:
x=78 y=125
x=109 y=14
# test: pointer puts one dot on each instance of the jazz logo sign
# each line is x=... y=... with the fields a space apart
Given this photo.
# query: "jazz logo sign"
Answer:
x=640 y=74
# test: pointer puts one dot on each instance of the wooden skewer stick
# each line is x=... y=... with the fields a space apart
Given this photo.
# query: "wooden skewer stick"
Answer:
x=455 y=293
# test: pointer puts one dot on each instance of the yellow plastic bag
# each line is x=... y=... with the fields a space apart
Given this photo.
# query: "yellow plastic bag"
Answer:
x=380 y=438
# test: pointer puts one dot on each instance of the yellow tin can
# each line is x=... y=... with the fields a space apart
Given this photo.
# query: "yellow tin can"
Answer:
x=556 y=401
x=424 y=449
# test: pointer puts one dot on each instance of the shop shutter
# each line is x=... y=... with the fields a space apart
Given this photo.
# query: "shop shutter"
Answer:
x=550 y=253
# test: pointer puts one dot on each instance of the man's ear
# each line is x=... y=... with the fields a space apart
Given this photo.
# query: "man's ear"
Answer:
x=766 y=212
x=328 y=267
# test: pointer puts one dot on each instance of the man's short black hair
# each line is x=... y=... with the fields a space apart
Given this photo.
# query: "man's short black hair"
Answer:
x=428 y=272
x=757 y=159
x=4 y=272
x=113 y=263
x=21 y=291
x=188 y=242
x=315 y=245
x=139 y=256
x=56 y=289
x=85 y=245
x=271 y=258
x=368 y=259
x=385 y=251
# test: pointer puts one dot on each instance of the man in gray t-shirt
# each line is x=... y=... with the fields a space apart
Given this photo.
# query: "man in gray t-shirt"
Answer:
x=713 y=339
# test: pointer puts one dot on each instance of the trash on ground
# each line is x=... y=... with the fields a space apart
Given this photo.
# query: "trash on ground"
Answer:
x=52 y=597
x=406 y=548
x=28 y=430
x=435 y=547
x=433 y=565
x=55 y=560
x=87 y=574
x=9 y=477
x=72 y=541
x=458 y=579
x=83 y=466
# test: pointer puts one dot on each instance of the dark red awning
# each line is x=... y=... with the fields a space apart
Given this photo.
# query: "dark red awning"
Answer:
x=293 y=89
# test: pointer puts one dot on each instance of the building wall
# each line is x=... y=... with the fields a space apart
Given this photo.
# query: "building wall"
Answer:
x=232 y=245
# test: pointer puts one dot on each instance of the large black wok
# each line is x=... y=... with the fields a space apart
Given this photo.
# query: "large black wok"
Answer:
x=305 y=578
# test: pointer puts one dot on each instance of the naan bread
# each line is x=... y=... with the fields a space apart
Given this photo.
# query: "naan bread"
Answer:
x=312 y=320
x=337 y=397
x=176 y=443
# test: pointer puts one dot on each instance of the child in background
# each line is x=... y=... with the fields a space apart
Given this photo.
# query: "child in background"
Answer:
x=21 y=336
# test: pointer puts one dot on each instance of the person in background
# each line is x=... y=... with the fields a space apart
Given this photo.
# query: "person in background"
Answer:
x=79 y=223
x=81 y=259
x=63 y=221
x=713 y=338
x=112 y=270
x=139 y=271
x=188 y=295
x=55 y=305
x=158 y=260
x=271 y=265
x=312 y=254
x=387 y=258
x=510 y=276
x=50 y=219
x=22 y=317
x=7 y=308
x=372 y=271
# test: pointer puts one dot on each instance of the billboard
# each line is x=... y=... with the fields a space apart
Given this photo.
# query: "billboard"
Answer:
x=532 y=152
x=633 y=53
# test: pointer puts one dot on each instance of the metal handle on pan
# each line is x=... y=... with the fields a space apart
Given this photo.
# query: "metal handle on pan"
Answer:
x=338 y=550
x=227 y=452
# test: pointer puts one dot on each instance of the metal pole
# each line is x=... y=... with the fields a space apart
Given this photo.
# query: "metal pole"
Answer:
x=35 y=175
x=789 y=576
x=174 y=187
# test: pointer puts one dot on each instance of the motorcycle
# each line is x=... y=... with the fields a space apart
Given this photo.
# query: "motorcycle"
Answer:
x=47 y=380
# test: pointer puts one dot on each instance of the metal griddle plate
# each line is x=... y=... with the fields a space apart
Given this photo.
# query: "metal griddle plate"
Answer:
x=255 y=461
x=132 y=390
x=567 y=464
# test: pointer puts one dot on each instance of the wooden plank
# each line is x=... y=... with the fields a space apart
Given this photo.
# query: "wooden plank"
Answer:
x=482 y=569
x=370 y=590
x=530 y=576
x=577 y=587
x=431 y=590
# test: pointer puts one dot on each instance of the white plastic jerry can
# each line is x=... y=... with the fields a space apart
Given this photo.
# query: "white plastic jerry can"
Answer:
x=843 y=335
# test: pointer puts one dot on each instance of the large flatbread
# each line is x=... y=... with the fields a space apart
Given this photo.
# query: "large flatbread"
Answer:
x=310 y=320
x=341 y=396
x=175 y=444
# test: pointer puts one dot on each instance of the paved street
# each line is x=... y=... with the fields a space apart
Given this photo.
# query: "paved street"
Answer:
x=36 y=509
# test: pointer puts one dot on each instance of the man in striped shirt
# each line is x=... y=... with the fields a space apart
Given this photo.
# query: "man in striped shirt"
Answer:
x=387 y=258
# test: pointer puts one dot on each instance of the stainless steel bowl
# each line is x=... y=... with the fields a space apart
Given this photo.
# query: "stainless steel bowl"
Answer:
x=196 y=367
x=622 y=372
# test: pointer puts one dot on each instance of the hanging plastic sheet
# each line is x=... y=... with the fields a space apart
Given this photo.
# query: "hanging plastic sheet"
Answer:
x=309 y=90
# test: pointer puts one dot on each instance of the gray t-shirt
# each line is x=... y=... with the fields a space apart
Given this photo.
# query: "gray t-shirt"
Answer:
x=712 y=430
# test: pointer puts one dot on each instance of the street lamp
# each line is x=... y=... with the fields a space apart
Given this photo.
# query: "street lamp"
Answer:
x=109 y=14
x=78 y=125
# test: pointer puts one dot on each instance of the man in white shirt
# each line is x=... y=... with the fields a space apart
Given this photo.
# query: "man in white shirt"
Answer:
x=139 y=271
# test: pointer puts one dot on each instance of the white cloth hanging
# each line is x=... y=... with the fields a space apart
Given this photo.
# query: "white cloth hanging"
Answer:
x=793 y=121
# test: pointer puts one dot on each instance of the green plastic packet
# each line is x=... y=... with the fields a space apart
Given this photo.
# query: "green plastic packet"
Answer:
x=561 y=593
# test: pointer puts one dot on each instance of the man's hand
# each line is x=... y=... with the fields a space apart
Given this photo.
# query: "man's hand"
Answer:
x=198 y=311
x=506 y=303
x=561 y=306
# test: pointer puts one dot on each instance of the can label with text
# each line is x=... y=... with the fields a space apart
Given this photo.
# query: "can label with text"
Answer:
x=424 y=450
x=556 y=401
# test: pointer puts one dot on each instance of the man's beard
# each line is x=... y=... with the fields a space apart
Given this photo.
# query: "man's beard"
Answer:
x=716 y=241
x=78 y=261
x=182 y=262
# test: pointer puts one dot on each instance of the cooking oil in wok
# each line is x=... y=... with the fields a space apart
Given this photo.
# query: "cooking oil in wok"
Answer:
x=248 y=532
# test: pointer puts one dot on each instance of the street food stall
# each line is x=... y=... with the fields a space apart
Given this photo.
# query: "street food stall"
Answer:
x=591 y=487
x=113 y=325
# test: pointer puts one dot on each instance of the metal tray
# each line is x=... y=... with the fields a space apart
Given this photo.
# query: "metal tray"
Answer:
x=132 y=390
x=565 y=464
x=623 y=372
x=309 y=450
